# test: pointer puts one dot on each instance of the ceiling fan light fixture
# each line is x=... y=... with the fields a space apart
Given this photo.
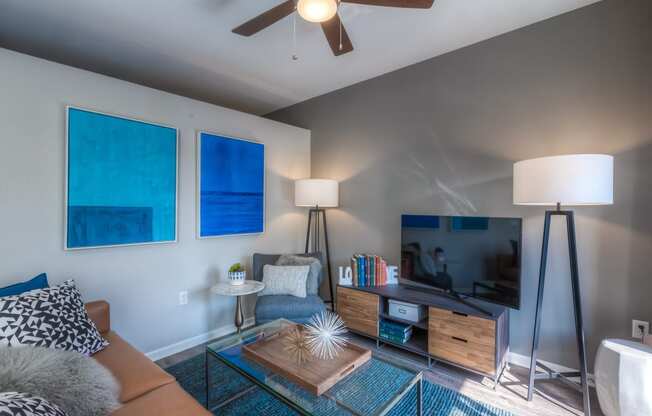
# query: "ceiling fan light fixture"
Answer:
x=317 y=11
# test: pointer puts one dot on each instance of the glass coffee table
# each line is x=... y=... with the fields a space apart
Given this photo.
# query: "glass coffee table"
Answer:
x=373 y=389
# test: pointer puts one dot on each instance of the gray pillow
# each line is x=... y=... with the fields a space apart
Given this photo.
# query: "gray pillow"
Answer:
x=312 y=283
x=285 y=280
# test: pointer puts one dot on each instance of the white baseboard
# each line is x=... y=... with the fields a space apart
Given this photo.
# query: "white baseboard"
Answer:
x=524 y=361
x=518 y=359
x=194 y=341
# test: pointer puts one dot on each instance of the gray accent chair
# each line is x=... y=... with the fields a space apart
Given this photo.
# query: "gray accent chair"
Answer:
x=271 y=307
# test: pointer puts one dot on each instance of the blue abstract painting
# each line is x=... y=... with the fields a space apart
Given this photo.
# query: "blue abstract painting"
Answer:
x=121 y=183
x=231 y=186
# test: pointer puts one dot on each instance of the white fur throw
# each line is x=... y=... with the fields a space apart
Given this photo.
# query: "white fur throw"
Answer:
x=77 y=384
x=285 y=280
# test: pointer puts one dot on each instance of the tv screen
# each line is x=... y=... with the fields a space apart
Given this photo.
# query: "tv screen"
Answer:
x=477 y=257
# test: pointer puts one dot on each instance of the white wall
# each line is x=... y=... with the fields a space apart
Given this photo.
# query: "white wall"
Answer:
x=141 y=283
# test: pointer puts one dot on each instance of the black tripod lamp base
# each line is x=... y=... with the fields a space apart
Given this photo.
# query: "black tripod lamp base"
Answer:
x=548 y=373
x=315 y=230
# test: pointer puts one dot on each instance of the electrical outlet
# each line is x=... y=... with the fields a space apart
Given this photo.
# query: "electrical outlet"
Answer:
x=640 y=329
x=183 y=297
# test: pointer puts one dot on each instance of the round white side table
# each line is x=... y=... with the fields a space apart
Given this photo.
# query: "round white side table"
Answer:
x=623 y=377
x=249 y=287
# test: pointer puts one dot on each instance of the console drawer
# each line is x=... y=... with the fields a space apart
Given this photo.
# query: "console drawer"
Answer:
x=469 y=341
x=358 y=310
x=463 y=352
x=472 y=328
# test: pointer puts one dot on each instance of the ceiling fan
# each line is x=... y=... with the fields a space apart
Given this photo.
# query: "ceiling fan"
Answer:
x=325 y=13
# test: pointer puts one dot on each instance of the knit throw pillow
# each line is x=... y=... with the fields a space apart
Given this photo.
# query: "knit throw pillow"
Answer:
x=285 y=280
x=314 y=276
x=53 y=317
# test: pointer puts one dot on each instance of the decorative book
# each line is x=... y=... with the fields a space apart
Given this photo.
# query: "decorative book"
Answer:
x=368 y=270
x=395 y=331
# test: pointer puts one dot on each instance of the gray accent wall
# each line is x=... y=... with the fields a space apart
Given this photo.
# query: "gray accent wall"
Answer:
x=441 y=136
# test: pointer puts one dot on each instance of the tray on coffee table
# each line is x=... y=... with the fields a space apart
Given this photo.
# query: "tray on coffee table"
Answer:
x=314 y=374
x=374 y=389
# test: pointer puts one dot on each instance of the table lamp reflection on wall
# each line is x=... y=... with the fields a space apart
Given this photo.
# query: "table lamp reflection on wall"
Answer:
x=318 y=194
x=585 y=179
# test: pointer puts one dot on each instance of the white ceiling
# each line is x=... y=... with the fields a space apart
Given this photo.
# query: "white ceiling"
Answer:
x=186 y=46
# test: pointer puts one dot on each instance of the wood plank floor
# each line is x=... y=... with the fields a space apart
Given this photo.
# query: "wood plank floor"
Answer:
x=551 y=399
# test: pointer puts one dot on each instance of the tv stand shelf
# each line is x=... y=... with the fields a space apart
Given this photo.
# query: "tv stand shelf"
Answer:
x=453 y=332
x=423 y=324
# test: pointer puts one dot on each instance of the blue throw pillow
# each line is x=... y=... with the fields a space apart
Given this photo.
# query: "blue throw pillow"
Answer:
x=39 y=282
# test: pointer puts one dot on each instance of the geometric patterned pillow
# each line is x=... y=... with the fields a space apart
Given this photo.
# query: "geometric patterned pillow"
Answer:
x=22 y=404
x=54 y=317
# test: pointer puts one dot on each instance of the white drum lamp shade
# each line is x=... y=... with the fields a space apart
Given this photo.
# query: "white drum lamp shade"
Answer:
x=585 y=179
x=322 y=193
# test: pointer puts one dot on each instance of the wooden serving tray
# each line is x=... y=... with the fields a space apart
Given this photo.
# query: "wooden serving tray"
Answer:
x=315 y=375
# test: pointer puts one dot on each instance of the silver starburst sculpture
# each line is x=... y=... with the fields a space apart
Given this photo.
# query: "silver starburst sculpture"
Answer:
x=325 y=335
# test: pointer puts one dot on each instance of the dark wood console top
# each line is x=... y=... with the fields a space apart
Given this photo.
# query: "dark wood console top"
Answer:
x=424 y=297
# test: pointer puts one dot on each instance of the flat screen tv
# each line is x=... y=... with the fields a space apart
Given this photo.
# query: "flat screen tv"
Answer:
x=469 y=257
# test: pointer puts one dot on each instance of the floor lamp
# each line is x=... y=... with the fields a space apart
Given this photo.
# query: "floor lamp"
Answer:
x=318 y=194
x=568 y=180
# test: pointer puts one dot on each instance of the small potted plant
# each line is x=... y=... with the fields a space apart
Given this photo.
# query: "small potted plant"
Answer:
x=237 y=274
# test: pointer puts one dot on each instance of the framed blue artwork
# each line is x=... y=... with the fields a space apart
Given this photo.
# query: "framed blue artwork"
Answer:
x=231 y=186
x=121 y=181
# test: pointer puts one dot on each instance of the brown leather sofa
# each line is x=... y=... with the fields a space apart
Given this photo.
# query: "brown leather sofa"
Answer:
x=146 y=389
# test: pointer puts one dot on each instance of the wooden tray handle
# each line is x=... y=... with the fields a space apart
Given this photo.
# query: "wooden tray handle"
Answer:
x=347 y=370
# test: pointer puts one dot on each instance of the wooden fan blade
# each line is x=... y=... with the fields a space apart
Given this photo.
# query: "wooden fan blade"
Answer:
x=266 y=19
x=408 y=4
x=331 y=29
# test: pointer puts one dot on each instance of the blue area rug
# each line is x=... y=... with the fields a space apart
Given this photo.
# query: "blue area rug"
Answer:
x=247 y=399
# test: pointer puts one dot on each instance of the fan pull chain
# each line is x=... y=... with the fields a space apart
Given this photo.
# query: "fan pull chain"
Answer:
x=295 y=57
x=340 y=19
x=341 y=46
